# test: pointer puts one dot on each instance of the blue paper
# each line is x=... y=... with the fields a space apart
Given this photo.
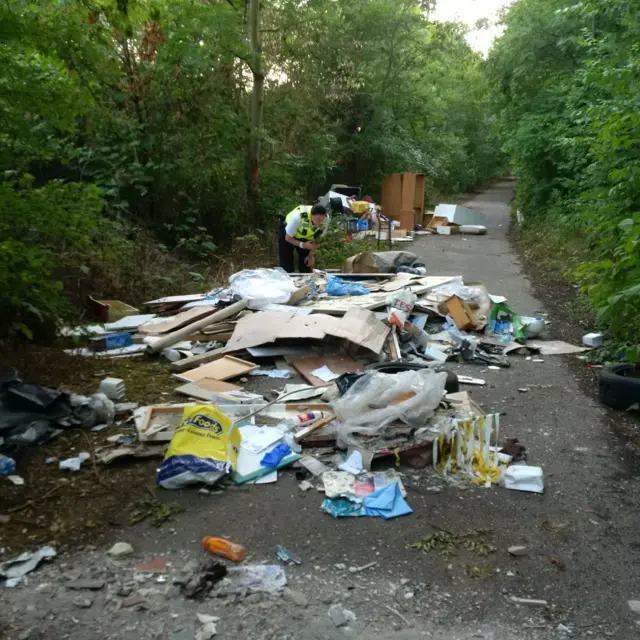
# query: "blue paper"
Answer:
x=273 y=457
x=338 y=287
x=342 y=508
x=387 y=503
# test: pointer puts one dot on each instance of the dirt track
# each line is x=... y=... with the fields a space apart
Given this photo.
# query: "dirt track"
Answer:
x=581 y=536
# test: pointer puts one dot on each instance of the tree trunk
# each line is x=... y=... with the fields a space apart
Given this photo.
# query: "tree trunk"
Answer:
x=257 y=102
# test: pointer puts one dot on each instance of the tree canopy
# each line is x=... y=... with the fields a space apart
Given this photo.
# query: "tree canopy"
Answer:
x=566 y=78
x=142 y=110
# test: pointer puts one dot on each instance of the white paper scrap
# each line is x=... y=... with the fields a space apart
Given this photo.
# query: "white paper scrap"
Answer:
x=325 y=374
x=353 y=464
x=258 y=441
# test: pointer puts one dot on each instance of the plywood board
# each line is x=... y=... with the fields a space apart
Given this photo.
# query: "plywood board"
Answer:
x=223 y=369
x=337 y=364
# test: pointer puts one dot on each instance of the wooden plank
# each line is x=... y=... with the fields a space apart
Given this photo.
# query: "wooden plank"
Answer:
x=337 y=364
x=196 y=361
x=304 y=433
x=220 y=327
x=223 y=369
x=222 y=336
x=217 y=316
x=206 y=389
x=159 y=412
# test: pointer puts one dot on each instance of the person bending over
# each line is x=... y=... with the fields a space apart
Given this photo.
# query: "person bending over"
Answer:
x=299 y=233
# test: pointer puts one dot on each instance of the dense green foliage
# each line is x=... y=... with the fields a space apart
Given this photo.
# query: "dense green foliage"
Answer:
x=142 y=109
x=567 y=83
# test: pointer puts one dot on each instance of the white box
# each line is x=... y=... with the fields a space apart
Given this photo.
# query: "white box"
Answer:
x=460 y=215
x=593 y=340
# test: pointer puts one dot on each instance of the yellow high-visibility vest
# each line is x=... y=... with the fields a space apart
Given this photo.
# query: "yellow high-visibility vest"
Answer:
x=306 y=231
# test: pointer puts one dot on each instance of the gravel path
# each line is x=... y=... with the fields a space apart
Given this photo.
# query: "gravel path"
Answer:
x=581 y=536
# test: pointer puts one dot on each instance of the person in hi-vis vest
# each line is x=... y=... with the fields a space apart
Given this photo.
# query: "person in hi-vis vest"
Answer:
x=299 y=233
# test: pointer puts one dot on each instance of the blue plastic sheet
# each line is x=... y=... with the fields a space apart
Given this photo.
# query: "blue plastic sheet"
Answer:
x=338 y=287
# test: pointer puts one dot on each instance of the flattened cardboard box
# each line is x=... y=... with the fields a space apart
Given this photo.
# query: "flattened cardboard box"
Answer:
x=358 y=326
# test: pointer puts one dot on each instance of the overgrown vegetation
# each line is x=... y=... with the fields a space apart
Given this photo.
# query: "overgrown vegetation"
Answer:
x=566 y=77
x=143 y=136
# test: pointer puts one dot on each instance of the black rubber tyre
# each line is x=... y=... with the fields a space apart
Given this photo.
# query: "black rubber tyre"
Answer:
x=617 y=388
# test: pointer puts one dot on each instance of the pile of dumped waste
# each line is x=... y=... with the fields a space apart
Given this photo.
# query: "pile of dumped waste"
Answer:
x=366 y=353
x=370 y=345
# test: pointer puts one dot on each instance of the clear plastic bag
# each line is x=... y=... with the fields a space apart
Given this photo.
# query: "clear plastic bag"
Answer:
x=476 y=297
x=380 y=390
x=262 y=286
x=401 y=305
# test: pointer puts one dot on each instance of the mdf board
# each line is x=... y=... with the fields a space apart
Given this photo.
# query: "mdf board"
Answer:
x=408 y=191
x=391 y=198
x=401 y=193
x=418 y=202
x=223 y=369
x=337 y=364
x=406 y=219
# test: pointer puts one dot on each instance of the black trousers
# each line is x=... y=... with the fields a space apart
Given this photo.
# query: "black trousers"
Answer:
x=286 y=253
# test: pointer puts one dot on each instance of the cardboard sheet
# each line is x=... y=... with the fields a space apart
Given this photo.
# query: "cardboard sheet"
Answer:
x=176 y=322
x=554 y=347
x=337 y=364
x=358 y=326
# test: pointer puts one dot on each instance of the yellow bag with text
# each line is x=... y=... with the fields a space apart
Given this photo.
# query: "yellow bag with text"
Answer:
x=203 y=449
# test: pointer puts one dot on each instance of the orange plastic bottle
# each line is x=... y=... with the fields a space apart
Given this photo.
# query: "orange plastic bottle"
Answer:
x=224 y=548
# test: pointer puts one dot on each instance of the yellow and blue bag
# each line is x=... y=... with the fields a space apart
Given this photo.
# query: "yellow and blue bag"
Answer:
x=203 y=449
